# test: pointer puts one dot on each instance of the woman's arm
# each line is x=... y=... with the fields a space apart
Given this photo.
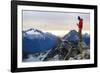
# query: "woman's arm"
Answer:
x=77 y=24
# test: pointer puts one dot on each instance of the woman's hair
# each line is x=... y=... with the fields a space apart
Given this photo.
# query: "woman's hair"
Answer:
x=79 y=18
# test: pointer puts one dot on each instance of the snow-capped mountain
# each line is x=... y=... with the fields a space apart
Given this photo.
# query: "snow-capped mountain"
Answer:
x=37 y=41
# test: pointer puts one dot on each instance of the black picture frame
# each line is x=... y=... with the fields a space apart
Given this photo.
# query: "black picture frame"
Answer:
x=14 y=63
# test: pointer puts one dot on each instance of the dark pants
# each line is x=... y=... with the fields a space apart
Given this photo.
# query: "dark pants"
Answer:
x=80 y=34
x=80 y=41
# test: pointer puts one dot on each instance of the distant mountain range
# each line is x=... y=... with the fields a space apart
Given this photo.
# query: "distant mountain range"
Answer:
x=72 y=36
x=37 y=41
x=86 y=38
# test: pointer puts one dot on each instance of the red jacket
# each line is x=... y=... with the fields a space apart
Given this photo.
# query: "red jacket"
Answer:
x=80 y=25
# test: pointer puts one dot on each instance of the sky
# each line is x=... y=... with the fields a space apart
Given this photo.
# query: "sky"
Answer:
x=53 y=21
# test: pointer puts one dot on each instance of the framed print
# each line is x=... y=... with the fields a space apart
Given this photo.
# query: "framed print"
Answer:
x=51 y=36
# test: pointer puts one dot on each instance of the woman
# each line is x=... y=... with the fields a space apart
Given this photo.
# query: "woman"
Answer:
x=80 y=26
